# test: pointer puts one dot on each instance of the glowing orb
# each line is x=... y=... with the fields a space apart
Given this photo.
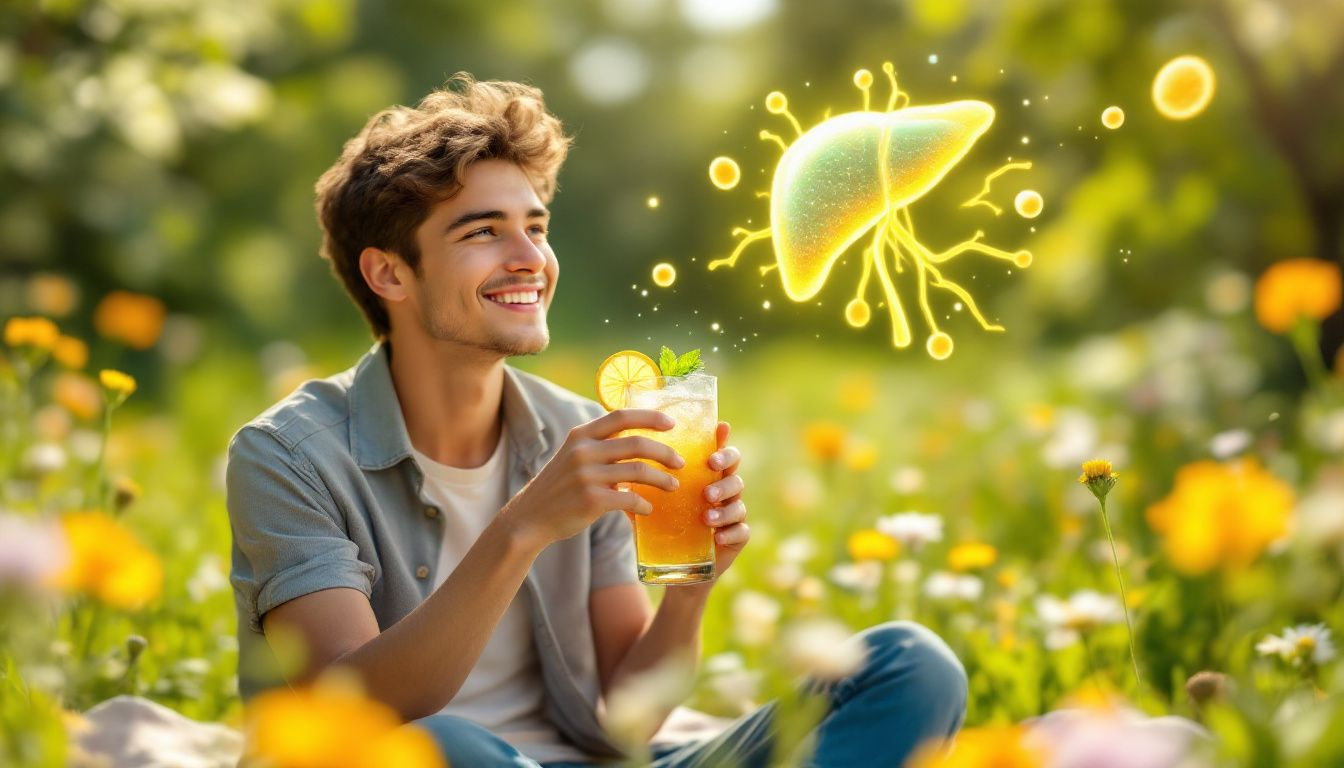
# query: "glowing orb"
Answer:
x=1113 y=117
x=664 y=274
x=855 y=175
x=1183 y=87
x=724 y=173
x=652 y=202
x=1028 y=204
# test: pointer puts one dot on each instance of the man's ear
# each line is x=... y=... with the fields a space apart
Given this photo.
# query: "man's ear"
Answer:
x=385 y=273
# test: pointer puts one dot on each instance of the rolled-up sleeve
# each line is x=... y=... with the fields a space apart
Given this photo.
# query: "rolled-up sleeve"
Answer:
x=613 y=551
x=288 y=538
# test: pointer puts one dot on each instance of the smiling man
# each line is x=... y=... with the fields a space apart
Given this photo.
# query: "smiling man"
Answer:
x=449 y=528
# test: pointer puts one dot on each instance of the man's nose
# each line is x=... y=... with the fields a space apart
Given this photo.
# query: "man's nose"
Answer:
x=525 y=254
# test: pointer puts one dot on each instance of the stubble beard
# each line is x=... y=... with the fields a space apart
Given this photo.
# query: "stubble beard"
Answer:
x=442 y=326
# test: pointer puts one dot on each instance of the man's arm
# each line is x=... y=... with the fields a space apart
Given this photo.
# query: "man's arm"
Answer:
x=418 y=664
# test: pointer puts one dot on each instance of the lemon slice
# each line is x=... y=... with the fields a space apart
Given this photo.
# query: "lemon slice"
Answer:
x=621 y=371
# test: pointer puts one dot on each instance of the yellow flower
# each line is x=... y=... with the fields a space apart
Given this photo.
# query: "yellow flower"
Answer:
x=131 y=318
x=825 y=440
x=869 y=544
x=857 y=393
x=971 y=556
x=333 y=724
x=1221 y=515
x=990 y=746
x=70 y=352
x=1098 y=477
x=861 y=455
x=108 y=562
x=1296 y=288
x=119 y=385
x=38 y=332
x=78 y=395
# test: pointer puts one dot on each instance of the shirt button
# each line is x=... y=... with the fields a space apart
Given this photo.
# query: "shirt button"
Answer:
x=431 y=512
x=422 y=572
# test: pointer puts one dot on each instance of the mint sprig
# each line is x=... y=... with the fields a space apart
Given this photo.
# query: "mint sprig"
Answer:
x=671 y=365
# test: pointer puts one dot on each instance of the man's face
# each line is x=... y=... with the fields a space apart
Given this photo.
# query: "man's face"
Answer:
x=487 y=273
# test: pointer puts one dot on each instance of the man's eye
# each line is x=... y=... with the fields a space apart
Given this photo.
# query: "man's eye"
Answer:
x=479 y=232
x=538 y=229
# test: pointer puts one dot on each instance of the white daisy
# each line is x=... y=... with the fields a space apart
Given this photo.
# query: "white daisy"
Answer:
x=912 y=529
x=1303 y=643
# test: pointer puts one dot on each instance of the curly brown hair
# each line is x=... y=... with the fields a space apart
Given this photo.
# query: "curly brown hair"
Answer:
x=407 y=160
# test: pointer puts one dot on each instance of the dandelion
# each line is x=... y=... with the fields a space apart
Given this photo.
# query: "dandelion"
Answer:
x=1100 y=478
x=860 y=455
x=333 y=723
x=70 y=352
x=1000 y=746
x=869 y=544
x=108 y=562
x=1303 y=645
x=823 y=649
x=35 y=332
x=119 y=385
x=1221 y=515
x=1067 y=621
x=912 y=529
x=824 y=440
x=134 y=319
x=971 y=556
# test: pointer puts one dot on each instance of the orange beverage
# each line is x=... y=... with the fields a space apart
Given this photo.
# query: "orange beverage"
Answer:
x=674 y=545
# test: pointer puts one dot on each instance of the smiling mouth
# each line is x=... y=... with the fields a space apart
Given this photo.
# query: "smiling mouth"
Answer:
x=516 y=297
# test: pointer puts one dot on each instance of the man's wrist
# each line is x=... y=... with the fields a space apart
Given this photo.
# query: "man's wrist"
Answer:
x=519 y=534
x=688 y=596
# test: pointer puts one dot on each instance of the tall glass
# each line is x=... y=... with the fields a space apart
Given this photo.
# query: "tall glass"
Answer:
x=674 y=545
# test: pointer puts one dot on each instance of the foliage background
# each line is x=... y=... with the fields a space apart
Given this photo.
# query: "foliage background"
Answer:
x=169 y=148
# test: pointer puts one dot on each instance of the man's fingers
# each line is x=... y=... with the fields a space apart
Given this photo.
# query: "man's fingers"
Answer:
x=639 y=447
x=622 y=419
x=726 y=488
x=727 y=515
x=721 y=434
x=726 y=459
x=628 y=501
x=733 y=535
x=635 y=472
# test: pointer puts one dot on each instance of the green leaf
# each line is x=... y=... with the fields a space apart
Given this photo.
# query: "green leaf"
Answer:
x=667 y=362
x=671 y=365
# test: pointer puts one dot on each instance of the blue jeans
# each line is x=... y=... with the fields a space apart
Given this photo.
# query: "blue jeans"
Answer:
x=910 y=689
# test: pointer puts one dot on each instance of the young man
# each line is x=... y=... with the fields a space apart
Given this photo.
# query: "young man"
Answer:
x=449 y=528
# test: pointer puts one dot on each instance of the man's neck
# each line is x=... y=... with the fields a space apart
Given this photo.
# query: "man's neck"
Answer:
x=450 y=400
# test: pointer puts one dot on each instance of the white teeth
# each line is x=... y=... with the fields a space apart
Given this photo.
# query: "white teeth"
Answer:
x=527 y=297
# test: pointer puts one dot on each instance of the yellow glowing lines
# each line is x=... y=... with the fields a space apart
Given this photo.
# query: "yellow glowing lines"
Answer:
x=768 y=136
x=724 y=172
x=1183 y=87
x=980 y=198
x=856 y=174
x=1113 y=117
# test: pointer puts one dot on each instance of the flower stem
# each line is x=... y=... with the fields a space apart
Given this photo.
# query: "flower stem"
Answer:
x=1124 y=601
x=1307 y=344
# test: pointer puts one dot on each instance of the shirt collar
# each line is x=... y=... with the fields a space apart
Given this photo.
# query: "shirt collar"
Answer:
x=378 y=437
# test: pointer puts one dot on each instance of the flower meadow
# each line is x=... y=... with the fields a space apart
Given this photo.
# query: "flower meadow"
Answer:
x=1109 y=532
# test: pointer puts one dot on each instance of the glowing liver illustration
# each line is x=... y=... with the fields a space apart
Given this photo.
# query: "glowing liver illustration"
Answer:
x=854 y=176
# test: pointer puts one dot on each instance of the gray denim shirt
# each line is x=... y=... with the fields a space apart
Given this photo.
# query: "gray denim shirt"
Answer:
x=323 y=493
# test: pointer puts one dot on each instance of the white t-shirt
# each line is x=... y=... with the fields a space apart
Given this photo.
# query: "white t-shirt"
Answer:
x=504 y=691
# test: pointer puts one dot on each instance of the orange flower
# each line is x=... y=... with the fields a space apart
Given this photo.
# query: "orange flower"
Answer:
x=1296 y=288
x=36 y=332
x=869 y=544
x=70 y=352
x=1221 y=515
x=52 y=294
x=108 y=562
x=131 y=318
x=333 y=724
x=825 y=440
x=78 y=395
x=971 y=556
x=990 y=746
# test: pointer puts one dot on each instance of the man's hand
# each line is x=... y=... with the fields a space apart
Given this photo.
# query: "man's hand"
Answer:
x=578 y=484
x=729 y=516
